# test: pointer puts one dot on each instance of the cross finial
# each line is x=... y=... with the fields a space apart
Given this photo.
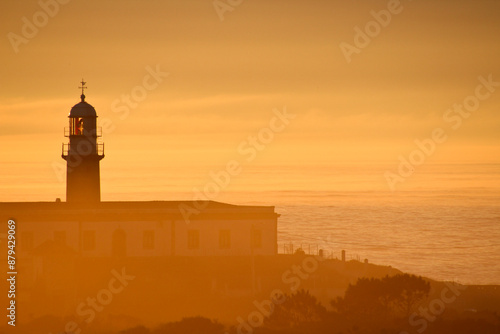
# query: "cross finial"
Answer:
x=83 y=89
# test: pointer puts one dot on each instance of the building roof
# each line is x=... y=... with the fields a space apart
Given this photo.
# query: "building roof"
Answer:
x=133 y=210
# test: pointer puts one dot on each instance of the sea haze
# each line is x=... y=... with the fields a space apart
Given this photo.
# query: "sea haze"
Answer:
x=443 y=222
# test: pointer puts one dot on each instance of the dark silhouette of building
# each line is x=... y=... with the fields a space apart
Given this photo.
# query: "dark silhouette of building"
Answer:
x=83 y=154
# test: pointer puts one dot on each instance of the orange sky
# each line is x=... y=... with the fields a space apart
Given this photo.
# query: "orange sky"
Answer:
x=225 y=77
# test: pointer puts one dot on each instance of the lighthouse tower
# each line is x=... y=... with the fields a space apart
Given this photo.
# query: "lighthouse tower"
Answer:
x=83 y=154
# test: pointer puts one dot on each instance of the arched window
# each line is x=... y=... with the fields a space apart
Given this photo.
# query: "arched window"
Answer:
x=119 y=243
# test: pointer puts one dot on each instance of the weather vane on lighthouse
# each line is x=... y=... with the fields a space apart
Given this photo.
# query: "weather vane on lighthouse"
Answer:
x=83 y=87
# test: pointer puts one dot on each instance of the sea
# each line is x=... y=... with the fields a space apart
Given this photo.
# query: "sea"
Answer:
x=442 y=222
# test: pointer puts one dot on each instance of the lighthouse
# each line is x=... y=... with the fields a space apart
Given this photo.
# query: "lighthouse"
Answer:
x=83 y=154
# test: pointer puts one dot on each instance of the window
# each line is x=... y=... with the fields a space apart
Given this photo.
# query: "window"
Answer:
x=148 y=240
x=60 y=237
x=119 y=243
x=224 y=239
x=193 y=239
x=88 y=240
x=76 y=126
x=256 y=238
x=26 y=241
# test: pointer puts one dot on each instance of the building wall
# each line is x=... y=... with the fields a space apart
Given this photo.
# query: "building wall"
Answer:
x=240 y=240
x=153 y=237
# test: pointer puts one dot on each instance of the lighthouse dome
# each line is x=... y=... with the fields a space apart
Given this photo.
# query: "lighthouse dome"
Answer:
x=82 y=109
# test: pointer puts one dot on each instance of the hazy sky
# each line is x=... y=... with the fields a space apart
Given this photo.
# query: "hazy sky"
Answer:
x=225 y=77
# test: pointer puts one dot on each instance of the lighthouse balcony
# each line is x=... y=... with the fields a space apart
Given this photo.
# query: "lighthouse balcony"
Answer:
x=99 y=150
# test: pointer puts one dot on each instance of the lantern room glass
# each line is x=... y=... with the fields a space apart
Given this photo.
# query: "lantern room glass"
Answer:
x=76 y=126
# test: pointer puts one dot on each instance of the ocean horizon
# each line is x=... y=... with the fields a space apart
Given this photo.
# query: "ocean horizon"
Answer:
x=449 y=232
